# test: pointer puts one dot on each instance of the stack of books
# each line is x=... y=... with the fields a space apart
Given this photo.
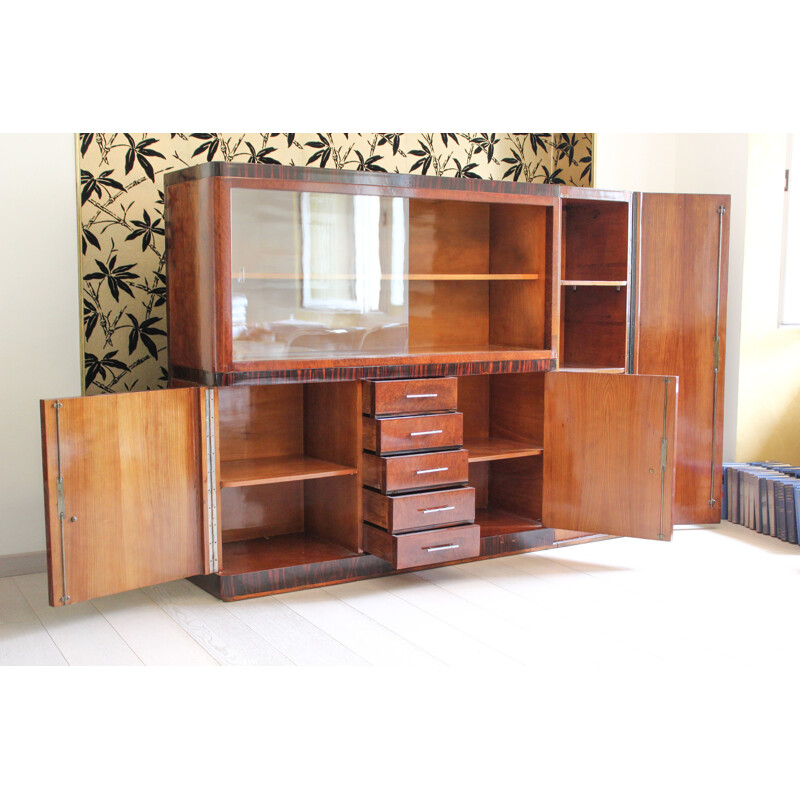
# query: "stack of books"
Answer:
x=763 y=496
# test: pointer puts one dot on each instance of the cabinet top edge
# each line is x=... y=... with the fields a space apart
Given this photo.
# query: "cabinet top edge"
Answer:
x=223 y=169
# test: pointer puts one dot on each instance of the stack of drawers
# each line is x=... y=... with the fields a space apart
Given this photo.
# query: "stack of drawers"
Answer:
x=418 y=509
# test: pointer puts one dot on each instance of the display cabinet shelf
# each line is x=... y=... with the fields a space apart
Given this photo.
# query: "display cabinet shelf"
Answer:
x=493 y=449
x=480 y=276
x=497 y=522
x=255 y=471
x=620 y=284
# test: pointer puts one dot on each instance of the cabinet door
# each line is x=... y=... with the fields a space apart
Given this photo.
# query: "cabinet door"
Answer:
x=680 y=330
x=609 y=444
x=126 y=491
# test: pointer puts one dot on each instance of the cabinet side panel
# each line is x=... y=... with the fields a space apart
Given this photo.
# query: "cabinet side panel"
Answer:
x=678 y=258
x=191 y=282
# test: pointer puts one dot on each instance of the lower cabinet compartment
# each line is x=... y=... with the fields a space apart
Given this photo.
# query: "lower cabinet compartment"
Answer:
x=423 y=548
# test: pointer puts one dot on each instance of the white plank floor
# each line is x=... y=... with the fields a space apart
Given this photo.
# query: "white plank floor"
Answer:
x=714 y=596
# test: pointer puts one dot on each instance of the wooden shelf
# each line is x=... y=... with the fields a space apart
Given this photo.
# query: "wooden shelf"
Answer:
x=253 y=471
x=287 y=550
x=496 y=522
x=594 y=283
x=493 y=449
x=480 y=276
x=577 y=368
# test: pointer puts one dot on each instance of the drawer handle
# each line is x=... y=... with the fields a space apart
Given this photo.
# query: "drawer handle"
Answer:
x=415 y=396
x=424 y=433
x=441 y=547
x=440 y=508
x=435 y=469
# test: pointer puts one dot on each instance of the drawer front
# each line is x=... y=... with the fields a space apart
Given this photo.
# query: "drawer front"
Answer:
x=422 y=510
x=408 y=550
x=418 y=471
x=407 y=434
x=382 y=398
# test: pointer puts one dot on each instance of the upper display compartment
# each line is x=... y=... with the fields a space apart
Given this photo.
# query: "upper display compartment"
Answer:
x=277 y=273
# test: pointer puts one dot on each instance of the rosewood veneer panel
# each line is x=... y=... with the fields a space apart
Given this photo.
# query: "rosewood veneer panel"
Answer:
x=678 y=255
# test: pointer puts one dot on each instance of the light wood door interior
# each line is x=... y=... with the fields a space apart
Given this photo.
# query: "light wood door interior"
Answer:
x=603 y=453
x=133 y=468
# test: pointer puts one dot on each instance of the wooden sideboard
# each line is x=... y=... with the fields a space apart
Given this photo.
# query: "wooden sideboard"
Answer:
x=375 y=373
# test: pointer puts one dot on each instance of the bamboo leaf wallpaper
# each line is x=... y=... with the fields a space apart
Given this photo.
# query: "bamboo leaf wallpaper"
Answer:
x=122 y=214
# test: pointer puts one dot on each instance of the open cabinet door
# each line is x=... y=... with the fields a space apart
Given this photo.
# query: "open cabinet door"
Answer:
x=680 y=330
x=127 y=497
x=609 y=449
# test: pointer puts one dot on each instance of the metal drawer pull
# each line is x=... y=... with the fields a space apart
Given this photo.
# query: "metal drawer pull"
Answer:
x=415 y=396
x=424 y=433
x=442 y=547
x=435 y=469
x=440 y=508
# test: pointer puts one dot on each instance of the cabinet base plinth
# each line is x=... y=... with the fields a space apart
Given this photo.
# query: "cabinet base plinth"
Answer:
x=357 y=567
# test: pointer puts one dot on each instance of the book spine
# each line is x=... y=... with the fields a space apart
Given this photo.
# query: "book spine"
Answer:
x=780 y=512
x=771 y=507
x=791 y=513
x=796 y=493
x=764 y=507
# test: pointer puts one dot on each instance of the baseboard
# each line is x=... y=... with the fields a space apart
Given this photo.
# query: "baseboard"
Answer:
x=23 y=564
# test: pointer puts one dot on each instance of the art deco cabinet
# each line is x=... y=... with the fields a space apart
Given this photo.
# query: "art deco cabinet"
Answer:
x=373 y=373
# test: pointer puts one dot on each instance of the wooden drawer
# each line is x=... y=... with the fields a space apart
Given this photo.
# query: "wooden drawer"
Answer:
x=417 y=471
x=407 y=434
x=438 y=546
x=382 y=398
x=412 y=512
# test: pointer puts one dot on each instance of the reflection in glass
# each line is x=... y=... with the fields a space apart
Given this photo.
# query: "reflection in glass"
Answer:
x=318 y=274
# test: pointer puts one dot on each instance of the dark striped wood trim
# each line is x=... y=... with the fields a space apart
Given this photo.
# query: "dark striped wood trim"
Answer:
x=344 y=570
x=223 y=169
x=518 y=542
x=317 y=375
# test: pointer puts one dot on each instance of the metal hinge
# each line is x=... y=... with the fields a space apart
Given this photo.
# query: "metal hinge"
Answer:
x=663 y=454
x=61 y=505
x=211 y=477
x=62 y=511
x=716 y=354
x=786 y=185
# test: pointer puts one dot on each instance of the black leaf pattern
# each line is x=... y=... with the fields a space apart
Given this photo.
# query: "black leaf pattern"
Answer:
x=122 y=213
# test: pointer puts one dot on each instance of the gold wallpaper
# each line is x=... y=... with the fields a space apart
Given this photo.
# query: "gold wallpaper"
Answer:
x=122 y=210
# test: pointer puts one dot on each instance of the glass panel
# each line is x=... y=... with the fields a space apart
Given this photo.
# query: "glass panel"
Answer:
x=317 y=274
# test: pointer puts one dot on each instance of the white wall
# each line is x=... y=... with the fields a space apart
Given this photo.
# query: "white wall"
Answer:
x=700 y=163
x=40 y=322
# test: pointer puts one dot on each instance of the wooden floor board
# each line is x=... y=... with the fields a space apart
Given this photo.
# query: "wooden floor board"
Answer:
x=714 y=599
x=80 y=631
x=23 y=638
x=221 y=634
x=155 y=637
x=428 y=632
x=291 y=633
x=361 y=634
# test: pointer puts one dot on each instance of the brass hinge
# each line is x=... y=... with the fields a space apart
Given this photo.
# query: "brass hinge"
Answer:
x=663 y=454
x=60 y=497
x=61 y=505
